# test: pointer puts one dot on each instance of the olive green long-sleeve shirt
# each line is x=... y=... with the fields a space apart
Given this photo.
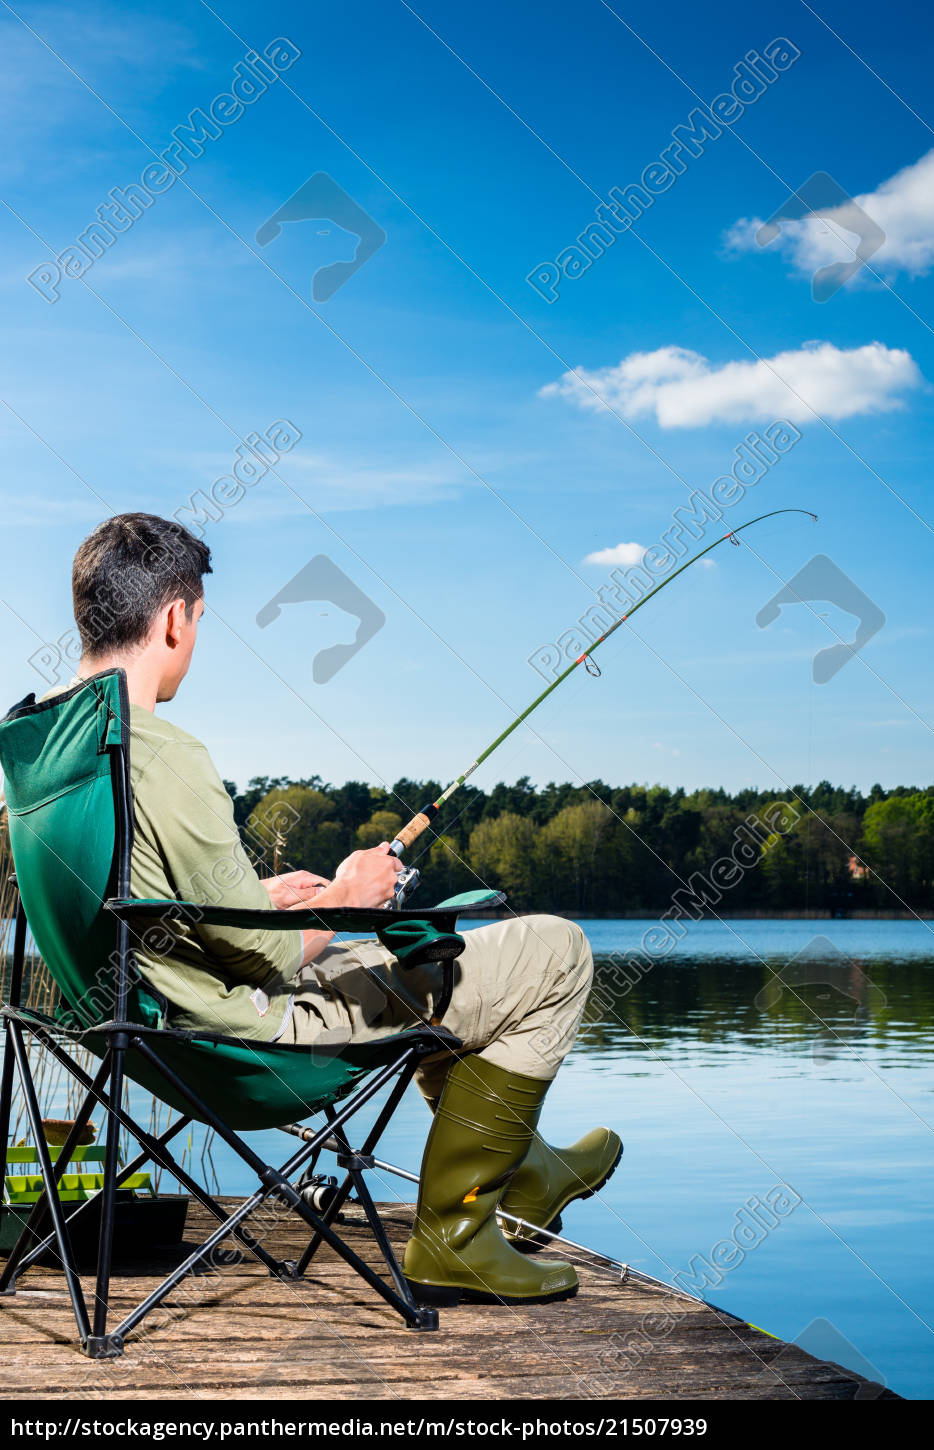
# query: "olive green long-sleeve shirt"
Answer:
x=187 y=845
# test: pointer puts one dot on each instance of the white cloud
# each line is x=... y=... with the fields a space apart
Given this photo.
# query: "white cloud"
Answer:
x=626 y=554
x=685 y=390
x=903 y=206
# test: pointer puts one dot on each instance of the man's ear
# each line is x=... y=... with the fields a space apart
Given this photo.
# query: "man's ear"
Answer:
x=176 y=617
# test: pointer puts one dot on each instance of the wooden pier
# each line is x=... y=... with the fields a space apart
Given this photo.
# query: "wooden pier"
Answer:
x=237 y=1334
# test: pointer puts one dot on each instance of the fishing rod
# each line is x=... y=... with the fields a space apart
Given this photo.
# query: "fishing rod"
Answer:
x=408 y=879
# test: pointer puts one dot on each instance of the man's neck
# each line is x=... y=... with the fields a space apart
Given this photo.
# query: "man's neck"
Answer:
x=141 y=679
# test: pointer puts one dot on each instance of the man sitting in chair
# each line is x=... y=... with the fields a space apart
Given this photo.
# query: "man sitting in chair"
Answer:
x=519 y=986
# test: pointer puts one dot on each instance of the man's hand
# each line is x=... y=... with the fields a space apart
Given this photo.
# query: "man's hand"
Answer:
x=365 y=878
x=294 y=890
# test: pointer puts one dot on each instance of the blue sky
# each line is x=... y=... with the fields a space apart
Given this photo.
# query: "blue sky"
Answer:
x=432 y=468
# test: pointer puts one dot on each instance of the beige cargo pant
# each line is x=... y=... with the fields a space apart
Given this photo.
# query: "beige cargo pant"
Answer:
x=520 y=987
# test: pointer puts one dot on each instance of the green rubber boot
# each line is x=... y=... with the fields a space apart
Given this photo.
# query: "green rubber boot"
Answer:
x=481 y=1132
x=551 y=1178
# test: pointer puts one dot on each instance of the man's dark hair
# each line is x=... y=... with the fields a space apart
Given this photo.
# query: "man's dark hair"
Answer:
x=126 y=571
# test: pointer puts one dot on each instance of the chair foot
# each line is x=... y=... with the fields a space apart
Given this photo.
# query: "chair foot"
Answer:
x=427 y=1319
x=286 y=1269
x=103 y=1346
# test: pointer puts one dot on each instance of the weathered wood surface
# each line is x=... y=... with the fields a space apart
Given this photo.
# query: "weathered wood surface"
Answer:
x=236 y=1333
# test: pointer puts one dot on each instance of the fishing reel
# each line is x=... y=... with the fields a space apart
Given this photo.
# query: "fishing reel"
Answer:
x=406 y=883
x=318 y=1190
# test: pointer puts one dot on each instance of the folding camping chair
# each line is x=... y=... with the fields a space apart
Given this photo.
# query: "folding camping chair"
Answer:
x=67 y=780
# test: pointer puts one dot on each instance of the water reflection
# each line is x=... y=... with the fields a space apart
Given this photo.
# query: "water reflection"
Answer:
x=886 y=1007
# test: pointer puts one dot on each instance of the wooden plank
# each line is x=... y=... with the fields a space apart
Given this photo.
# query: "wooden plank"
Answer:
x=238 y=1334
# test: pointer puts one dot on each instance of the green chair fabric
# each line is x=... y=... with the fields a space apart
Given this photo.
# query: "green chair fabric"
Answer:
x=58 y=779
x=254 y=1085
x=60 y=769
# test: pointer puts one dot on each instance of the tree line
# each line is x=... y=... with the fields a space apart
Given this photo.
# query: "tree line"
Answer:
x=602 y=850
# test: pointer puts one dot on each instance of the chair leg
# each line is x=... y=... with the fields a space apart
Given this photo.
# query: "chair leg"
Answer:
x=356 y=1163
x=159 y=1154
x=99 y=1344
x=72 y=1281
x=6 y=1086
x=415 y=1315
x=350 y=1180
x=378 y=1230
x=6 y=1109
x=19 y=1259
x=276 y=1181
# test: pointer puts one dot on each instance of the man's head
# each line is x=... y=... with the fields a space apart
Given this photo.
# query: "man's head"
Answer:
x=138 y=595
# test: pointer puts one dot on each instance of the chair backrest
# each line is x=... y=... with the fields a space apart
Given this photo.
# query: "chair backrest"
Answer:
x=65 y=763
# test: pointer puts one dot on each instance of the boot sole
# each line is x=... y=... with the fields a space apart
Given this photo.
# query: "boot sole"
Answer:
x=533 y=1244
x=443 y=1296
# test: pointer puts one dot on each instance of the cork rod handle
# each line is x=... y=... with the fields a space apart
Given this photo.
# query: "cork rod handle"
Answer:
x=410 y=833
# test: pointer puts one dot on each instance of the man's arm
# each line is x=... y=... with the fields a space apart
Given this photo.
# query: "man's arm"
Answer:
x=364 y=878
x=186 y=839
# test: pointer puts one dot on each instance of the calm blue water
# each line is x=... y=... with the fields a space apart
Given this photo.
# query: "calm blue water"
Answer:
x=825 y=1087
x=821 y=1088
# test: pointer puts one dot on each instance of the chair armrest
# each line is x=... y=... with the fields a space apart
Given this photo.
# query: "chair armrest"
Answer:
x=483 y=900
x=349 y=918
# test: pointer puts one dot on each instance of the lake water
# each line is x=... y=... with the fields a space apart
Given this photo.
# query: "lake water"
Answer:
x=764 y=1062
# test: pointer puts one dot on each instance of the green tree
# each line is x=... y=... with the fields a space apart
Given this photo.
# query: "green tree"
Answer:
x=898 y=842
x=382 y=826
x=558 y=847
x=503 y=853
x=291 y=829
x=572 y=848
x=445 y=871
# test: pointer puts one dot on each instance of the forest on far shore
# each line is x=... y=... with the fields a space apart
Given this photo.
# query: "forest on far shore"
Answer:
x=602 y=850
